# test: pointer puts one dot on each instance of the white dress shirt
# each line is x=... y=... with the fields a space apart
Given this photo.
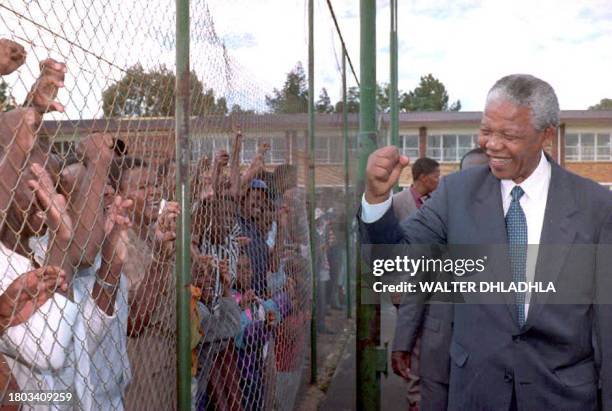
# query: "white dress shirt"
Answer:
x=533 y=203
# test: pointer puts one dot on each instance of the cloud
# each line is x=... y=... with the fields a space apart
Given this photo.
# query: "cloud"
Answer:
x=236 y=41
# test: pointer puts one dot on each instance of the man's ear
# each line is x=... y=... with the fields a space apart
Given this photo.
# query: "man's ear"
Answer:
x=550 y=133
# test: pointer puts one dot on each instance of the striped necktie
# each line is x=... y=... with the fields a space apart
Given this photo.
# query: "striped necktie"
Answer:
x=516 y=227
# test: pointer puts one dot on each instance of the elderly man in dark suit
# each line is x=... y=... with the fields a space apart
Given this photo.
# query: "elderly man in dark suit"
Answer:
x=532 y=352
x=428 y=326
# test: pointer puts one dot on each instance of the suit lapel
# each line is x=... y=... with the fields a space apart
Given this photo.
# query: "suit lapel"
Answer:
x=492 y=228
x=557 y=236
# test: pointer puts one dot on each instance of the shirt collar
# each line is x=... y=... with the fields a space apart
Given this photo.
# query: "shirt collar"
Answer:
x=534 y=185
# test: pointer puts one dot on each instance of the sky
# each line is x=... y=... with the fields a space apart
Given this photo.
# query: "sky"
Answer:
x=244 y=48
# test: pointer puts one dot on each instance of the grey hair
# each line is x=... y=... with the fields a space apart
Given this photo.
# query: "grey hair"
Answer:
x=529 y=91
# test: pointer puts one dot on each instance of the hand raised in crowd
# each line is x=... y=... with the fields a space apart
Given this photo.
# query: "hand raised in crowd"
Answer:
x=12 y=56
x=383 y=172
x=44 y=91
x=225 y=277
x=96 y=149
x=91 y=195
x=27 y=293
x=221 y=159
x=117 y=222
x=165 y=230
x=235 y=165
x=18 y=126
x=59 y=223
x=260 y=156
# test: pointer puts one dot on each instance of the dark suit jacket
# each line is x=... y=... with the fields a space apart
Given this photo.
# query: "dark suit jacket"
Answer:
x=551 y=361
x=433 y=322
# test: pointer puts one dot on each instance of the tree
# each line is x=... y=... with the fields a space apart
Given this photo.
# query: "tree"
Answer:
x=236 y=109
x=323 y=105
x=429 y=95
x=352 y=101
x=604 y=104
x=151 y=93
x=293 y=97
x=5 y=97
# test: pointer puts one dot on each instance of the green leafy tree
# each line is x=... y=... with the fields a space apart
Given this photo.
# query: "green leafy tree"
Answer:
x=236 y=109
x=352 y=101
x=293 y=97
x=323 y=104
x=604 y=104
x=151 y=93
x=5 y=97
x=429 y=95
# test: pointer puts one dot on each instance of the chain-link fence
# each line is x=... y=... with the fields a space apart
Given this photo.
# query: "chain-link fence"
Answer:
x=89 y=214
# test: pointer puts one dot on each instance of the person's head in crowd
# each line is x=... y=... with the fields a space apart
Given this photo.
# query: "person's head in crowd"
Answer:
x=244 y=272
x=521 y=116
x=137 y=181
x=285 y=178
x=255 y=201
x=473 y=158
x=204 y=279
x=425 y=175
x=218 y=216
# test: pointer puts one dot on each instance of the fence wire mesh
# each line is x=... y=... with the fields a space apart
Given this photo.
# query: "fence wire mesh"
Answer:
x=88 y=215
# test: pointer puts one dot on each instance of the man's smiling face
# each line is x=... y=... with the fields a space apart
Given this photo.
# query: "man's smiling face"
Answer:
x=510 y=140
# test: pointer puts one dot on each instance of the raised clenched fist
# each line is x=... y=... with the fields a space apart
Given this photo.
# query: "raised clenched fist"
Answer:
x=383 y=172
x=12 y=56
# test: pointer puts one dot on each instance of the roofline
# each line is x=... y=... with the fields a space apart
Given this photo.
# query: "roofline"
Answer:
x=296 y=121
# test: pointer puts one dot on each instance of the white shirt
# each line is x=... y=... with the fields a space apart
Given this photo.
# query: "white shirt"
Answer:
x=68 y=345
x=533 y=203
x=37 y=350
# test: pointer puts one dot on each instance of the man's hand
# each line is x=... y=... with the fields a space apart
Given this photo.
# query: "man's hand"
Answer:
x=165 y=229
x=400 y=362
x=114 y=250
x=12 y=56
x=96 y=148
x=53 y=204
x=28 y=293
x=383 y=172
x=221 y=159
x=44 y=91
x=19 y=126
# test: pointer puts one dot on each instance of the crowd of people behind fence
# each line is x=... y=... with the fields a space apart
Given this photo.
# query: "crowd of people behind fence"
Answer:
x=87 y=287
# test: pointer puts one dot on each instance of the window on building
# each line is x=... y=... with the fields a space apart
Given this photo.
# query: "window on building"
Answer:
x=276 y=155
x=604 y=148
x=449 y=148
x=410 y=145
x=588 y=147
x=322 y=149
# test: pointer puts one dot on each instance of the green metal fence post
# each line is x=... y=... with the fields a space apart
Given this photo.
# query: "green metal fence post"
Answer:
x=311 y=193
x=183 y=238
x=393 y=92
x=347 y=197
x=368 y=315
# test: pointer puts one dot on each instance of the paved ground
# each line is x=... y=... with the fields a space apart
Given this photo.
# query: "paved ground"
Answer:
x=336 y=388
